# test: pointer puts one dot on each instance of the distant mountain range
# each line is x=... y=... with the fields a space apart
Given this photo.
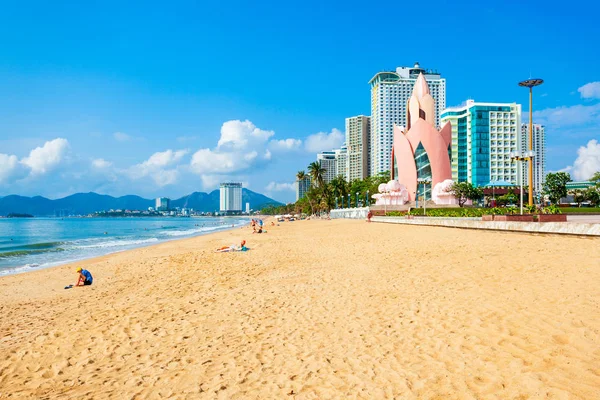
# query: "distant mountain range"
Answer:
x=86 y=203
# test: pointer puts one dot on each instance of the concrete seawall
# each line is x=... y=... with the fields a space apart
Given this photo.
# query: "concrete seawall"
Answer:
x=564 y=228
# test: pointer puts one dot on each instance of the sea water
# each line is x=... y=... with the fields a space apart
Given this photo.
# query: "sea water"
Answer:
x=32 y=243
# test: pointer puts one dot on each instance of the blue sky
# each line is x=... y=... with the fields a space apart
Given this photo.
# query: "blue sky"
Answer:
x=155 y=99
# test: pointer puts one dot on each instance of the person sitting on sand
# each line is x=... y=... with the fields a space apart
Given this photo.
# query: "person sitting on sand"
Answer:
x=85 y=277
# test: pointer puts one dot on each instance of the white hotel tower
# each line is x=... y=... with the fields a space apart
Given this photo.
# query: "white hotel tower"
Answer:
x=390 y=92
x=539 y=160
x=230 y=198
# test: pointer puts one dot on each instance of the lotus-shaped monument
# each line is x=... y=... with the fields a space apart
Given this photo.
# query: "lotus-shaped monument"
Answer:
x=421 y=151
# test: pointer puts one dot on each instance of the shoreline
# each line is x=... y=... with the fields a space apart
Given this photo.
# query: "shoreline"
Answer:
x=316 y=309
x=143 y=242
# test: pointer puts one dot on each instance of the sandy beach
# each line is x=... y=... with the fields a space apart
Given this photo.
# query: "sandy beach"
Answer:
x=316 y=310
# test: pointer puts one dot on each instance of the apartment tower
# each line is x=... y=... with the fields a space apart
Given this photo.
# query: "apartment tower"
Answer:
x=390 y=92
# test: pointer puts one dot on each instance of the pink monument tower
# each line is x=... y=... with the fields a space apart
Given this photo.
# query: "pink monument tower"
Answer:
x=421 y=151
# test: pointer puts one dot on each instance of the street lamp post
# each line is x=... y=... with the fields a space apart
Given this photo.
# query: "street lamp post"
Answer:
x=527 y=156
x=424 y=182
x=367 y=199
x=349 y=200
x=356 y=199
x=530 y=83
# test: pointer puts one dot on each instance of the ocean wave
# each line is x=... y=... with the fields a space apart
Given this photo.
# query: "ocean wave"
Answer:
x=21 y=253
x=16 y=270
x=189 y=232
x=32 y=246
x=116 y=243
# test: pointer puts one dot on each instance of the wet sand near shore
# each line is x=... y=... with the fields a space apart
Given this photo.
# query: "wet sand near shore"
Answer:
x=315 y=310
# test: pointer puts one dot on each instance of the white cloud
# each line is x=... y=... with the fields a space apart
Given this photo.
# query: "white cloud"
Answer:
x=101 y=163
x=45 y=158
x=324 y=141
x=590 y=90
x=10 y=168
x=567 y=116
x=285 y=144
x=242 y=146
x=280 y=187
x=238 y=135
x=164 y=158
x=586 y=163
x=155 y=167
x=121 y=137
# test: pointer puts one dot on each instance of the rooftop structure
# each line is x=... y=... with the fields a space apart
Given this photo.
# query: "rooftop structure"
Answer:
x=390 y=92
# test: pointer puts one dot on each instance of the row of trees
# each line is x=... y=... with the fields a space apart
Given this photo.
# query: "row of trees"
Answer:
x=321 y=197
x=555 y=187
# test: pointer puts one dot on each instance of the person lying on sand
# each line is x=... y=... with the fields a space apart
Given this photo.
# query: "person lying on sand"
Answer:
x=226 y=249
x=85 y=277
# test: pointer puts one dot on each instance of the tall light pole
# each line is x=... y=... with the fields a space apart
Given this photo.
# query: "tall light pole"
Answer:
x=424 y=182
x=356 y=199
x=527 y=156
x=530 y=83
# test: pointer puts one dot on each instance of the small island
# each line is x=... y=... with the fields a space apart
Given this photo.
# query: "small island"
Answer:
x=19 y=215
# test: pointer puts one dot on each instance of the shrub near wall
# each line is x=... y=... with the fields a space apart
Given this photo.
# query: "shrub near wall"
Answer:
x=474 y=212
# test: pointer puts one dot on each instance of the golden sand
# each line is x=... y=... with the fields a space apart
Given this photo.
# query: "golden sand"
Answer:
x=316 y=310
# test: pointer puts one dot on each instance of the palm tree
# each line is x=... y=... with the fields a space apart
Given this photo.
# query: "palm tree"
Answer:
x=339 y=187
x=317 y=172
x=301 y=175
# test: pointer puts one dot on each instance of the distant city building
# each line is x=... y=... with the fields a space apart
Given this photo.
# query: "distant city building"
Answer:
x=357 y=141
x=390 y=92
x=328 y=162
x=483 y=136
x=302 y=186
x=231 y=198
x=539 y=160
x=341 y=162
x=247 y=208
x=162 y=204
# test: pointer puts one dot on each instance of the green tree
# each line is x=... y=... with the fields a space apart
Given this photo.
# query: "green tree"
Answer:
x=339 y=186
x=317 y=173
x=301 y=175
x=595 y=177
x=578 y=196
x=464 y=191
x=592 y=194
x=555 y=186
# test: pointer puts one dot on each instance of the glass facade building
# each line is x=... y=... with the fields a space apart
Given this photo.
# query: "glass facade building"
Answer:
x=483 y=136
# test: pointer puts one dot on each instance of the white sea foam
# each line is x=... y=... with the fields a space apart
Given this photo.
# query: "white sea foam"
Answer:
x=16 y=270
x=117 y=243
x=189 y=232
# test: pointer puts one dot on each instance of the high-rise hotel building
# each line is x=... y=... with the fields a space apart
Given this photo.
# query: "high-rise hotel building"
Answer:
x=302 y=187
x=539 y=159
x=357 y=142
x=230 y=198
x=390 y=92
x=328 y=162
x=483 y=136
x=341 y=162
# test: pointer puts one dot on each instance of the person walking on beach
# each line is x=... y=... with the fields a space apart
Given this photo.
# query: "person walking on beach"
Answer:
x=85 y=277
x=369 y=216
